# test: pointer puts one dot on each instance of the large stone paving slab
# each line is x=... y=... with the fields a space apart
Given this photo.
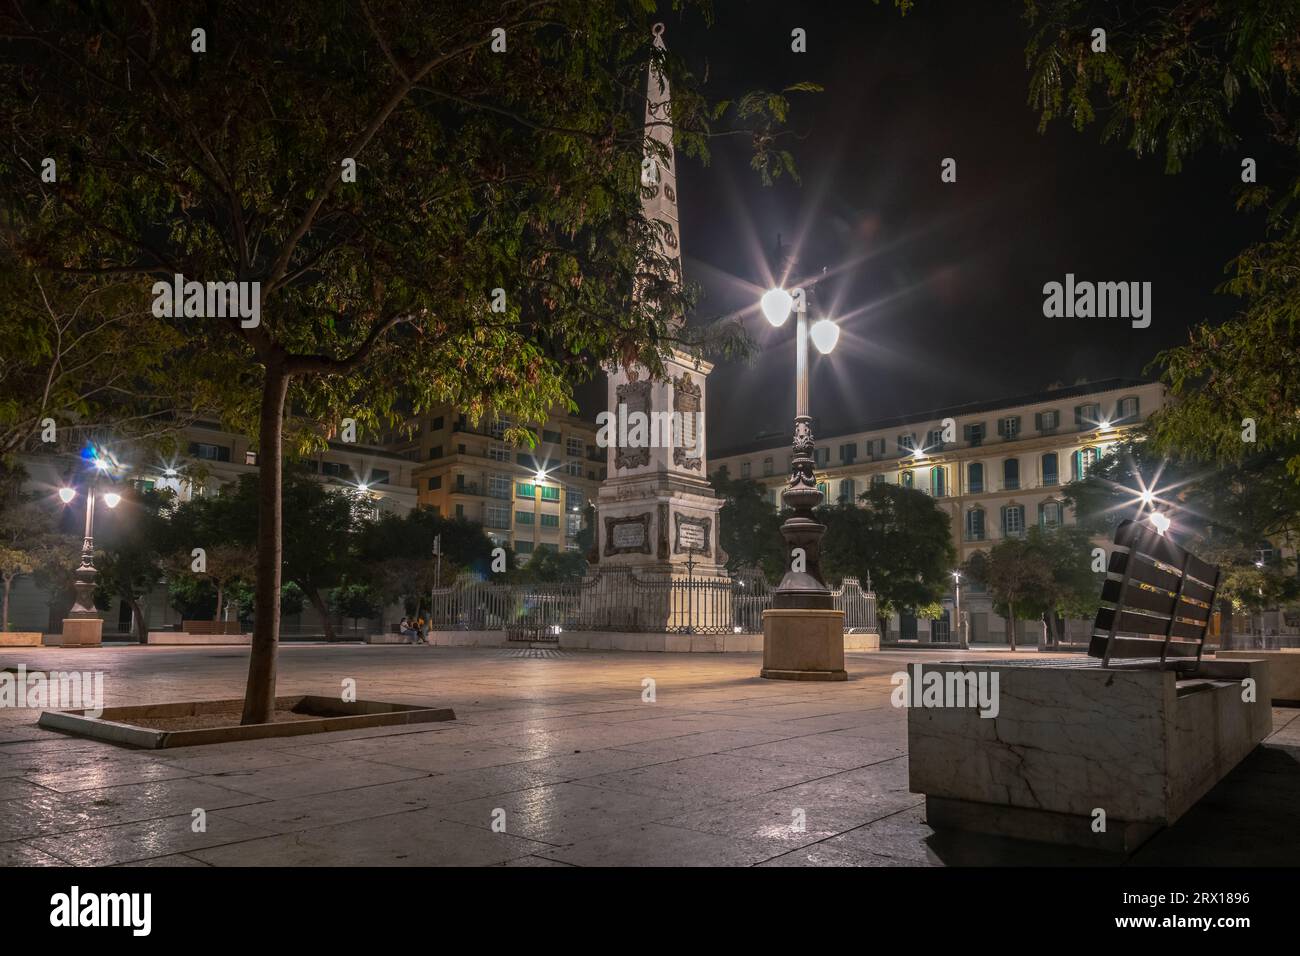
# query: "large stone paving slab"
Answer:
x=721 y=769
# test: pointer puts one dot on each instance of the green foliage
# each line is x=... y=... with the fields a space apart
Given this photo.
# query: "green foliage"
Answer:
x=355 y=601
x=549 y=566
x=749 y=528
x=900 y=538
x=292 y=600
x=1173 y=77
x=1224 y=514
x=30 y=543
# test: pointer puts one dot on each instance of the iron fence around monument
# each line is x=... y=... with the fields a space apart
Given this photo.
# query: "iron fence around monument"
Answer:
x=627 y=601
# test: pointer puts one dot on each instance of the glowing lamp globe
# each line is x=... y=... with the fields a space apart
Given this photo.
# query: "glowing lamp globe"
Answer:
x=1160 y=522
x=66 y=495
x=776 y=304
x=825 y=334
x=112 y=499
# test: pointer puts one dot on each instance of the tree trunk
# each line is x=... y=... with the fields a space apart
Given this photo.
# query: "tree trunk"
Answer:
x=318 y=602
x=1011 y=629
x=8 y=583
x=259 y=697
x=220 y=594
x=141 y=626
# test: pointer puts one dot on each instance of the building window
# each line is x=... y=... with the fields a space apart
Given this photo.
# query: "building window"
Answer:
x=250 y=457
x=1011 y=474
x=524 y=489
x=335 y=469
x=437 y=424
x=744 y=469
x=1126 y=411
x=934 y=439
x=1051 y=475
x=767 y=467
x=574 y=447
x=848 y=452
x=208 y=452
x=523 y=547
x=1013 y=521
x=974 y=434
x=526 y=460
x=878 y=479
x=550 y=521
x=975 y=478
x=822 y=457
x=498 y=427
x=435 y=451
x=460 y=511
x=550 y=492
x=550 y=437
x=876 y=447
x=1087 y=416
x=848 y=489
x=573 y=468
x=938 y=483
x=497 y=516
x=498 y=453
x=378 y=476
x=1049 y=514
x=975 y=524
x=1047 y=421
x=1084 y=459
x=499 y=486
x=906 y=443
x=1009 y=427
x=572 y=525
x=523 y=517
x=574 y=499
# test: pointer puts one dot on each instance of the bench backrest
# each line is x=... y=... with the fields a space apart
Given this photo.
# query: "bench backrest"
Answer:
x=1157 y=599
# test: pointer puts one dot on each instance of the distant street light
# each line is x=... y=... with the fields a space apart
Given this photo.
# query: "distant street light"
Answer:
x=85 y=574
x=776 y=304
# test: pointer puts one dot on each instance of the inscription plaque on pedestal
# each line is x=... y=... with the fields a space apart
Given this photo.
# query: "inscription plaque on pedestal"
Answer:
x=628 y=535
x=692 y=535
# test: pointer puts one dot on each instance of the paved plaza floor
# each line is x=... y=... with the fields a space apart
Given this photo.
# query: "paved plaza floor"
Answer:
x=561 y=748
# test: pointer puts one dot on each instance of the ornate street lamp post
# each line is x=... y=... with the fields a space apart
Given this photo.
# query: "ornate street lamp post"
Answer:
x=83 y=625
x=803 y=634
x=802 y=586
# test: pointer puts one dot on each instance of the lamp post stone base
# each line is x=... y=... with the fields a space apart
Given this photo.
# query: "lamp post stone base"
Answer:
x=82 y=632
x=803 y=644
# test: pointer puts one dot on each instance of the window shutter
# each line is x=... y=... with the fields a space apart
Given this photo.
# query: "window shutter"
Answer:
x=1038 y=421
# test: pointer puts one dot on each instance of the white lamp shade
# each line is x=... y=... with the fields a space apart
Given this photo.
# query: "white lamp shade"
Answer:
x=825 y=334
x=112 y=499
x=776 y=305
x=1160 y=521
x=66 y=495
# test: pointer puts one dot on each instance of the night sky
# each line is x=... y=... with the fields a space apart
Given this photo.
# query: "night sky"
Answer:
x=939 y=285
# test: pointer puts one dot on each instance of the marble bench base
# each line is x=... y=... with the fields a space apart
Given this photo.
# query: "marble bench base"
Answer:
x=1078 y=754
x=1283 y=669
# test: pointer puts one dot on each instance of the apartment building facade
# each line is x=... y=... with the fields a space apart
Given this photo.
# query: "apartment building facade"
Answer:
x=526 y=497
x=996 y=468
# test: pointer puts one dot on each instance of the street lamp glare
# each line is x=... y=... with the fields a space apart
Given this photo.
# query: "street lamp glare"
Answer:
x=1160 y=521
x=112 y=499
x=1148 y=497
x=363 y=487
x=825 y=334
x=776 y=305
x=540 y=476
x=66 y=495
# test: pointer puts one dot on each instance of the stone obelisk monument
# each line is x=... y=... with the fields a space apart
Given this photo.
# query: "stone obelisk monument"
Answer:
x=656 y=512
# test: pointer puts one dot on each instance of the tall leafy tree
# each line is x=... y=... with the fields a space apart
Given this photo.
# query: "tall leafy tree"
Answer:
x=219 y=143
x=29 y=541
x=130 y=552
x=1176 y=78
x=900 y=539
x=749 y=528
